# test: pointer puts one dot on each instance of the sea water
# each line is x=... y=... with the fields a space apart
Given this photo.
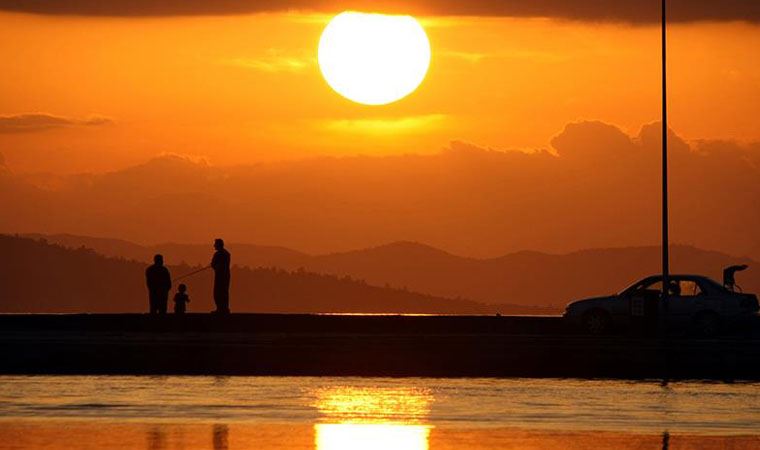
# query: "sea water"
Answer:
x=333 y=413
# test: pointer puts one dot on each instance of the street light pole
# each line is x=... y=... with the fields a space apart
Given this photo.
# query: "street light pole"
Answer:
x=665 y=243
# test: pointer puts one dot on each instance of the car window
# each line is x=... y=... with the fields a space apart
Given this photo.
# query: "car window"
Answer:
x=653 y=286
x=678 y=288
x=689 y=288
x=645 y=288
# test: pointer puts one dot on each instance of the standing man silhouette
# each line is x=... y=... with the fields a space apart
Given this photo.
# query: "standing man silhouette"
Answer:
x=159 y=283
x=221 y=265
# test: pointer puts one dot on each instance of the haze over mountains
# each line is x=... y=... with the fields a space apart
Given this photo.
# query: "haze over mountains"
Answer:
x=531 y=279
x=597 y=187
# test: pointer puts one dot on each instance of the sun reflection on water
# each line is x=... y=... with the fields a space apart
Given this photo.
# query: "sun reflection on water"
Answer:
x=372 y=418
x=350 y=436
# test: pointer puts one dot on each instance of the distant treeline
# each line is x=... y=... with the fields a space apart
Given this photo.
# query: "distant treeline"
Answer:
x=37 y=276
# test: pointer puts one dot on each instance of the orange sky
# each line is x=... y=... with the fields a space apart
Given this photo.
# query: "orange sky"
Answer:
x=246 y=88
x=213 y=94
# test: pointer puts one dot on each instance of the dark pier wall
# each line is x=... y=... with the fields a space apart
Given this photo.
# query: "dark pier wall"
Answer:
x=346 y=345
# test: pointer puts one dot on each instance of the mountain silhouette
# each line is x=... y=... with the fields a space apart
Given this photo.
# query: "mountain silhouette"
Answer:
x=38 y=276
x=530 y=279
x=245 y=254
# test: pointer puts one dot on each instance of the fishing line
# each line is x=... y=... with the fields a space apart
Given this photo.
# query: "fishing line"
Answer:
x=191 y=273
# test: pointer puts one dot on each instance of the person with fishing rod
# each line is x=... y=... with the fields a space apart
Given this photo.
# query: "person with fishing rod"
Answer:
x=159 y=282
x=220 y=262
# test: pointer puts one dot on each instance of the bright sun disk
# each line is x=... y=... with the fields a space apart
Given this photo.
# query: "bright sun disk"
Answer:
x=373 y=59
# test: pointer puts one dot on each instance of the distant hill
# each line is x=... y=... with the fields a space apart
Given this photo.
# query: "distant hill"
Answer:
x=245 y=254
x=37 y=276
x=524 y=278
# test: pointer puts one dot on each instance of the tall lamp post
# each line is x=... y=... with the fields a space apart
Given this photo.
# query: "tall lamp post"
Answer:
x=665 y=244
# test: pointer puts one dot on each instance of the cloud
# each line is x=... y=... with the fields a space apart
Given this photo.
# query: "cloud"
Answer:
x=31 y=122
x=383 y=126
x=631 y=11
x=514 y=55
x=470 y=57
x=598 y=187
x=274 y=61
x=592 y=140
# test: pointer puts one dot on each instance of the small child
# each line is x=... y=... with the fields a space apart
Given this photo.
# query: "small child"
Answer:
x=181 y=299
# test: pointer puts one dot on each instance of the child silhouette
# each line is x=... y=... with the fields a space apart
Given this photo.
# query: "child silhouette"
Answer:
x=181 y=299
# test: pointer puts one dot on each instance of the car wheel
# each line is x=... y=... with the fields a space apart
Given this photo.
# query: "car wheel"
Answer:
x=597 y=322
x=707 y=324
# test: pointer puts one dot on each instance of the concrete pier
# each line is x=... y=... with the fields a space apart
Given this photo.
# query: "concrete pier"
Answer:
x=360 y=345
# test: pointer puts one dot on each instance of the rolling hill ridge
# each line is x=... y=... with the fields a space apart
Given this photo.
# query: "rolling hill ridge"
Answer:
x=38 y=276
x=532 y=279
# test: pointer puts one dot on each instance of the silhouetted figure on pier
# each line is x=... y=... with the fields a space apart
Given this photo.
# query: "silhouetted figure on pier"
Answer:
x=729 y=276
x=221 y=265
x=181 y=299
x=159 y=282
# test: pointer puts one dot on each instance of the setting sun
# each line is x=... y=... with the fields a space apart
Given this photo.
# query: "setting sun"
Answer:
x=374 y=59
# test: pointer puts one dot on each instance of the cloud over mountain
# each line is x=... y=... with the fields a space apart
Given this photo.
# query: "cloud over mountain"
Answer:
x=597 y=187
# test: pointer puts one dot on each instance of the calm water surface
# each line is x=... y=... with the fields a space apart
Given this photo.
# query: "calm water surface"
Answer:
x=373 y=413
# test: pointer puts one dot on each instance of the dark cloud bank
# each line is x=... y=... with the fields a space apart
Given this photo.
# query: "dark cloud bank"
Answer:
x=631 y=11
x=598 y=187
x=24 y=123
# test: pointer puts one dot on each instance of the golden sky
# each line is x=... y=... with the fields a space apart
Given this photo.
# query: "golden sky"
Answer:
x=534 y=127
x=245 y=88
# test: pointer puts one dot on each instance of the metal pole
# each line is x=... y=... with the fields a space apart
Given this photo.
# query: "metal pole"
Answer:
x=665 y=243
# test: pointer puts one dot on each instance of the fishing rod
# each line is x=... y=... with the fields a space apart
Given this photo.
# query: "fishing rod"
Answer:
x=191 y=273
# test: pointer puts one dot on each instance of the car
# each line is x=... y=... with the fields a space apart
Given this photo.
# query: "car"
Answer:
x=695 y=303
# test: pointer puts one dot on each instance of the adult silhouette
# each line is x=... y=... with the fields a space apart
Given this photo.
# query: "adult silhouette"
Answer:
x=221 y=265
x=159 y=283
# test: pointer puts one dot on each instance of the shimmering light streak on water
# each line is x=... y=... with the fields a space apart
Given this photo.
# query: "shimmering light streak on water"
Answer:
x=694 y=407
